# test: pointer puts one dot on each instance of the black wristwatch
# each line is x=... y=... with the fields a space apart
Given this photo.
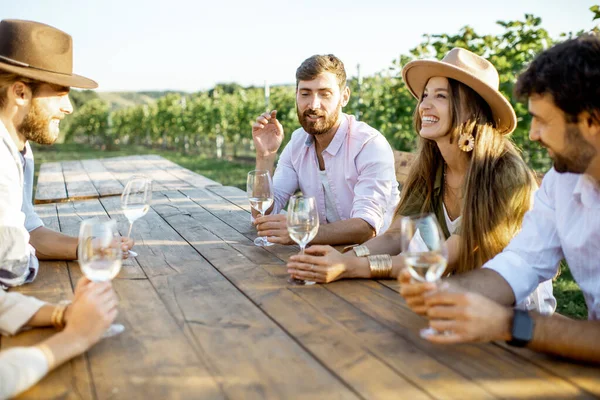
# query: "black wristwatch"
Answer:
x=522 y=329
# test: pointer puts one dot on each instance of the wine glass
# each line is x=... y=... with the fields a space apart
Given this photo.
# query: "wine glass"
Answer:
x=424 y=251
x=135 y=200
x=302 y=225
x=99 y=255
x=259 y=187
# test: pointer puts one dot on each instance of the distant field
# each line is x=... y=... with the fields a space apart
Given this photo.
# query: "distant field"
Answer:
x=233 y=173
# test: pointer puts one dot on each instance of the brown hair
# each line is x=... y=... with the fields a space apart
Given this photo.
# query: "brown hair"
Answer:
x=498 y=186
x=317 y=64
x=8 y=78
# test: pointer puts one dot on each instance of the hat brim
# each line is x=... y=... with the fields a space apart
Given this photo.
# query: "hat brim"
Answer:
x=416 y=74
x=73 y=80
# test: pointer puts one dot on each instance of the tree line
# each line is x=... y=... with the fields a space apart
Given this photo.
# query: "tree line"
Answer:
x=205 y=121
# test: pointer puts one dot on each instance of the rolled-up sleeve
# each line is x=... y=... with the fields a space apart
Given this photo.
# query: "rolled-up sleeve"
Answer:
x=376 y=185
x=285 y=179
x=533 y=256
x=15 y=310
x=21 y=368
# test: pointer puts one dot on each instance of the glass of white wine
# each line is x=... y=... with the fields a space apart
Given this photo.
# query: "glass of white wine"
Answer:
x=424 y=250
x=260 y=194
x=302 y=225
x=100 y=256
x=135 y=200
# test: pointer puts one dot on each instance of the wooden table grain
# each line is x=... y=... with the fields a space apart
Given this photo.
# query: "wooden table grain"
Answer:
x=90 y=179
x=210 y=315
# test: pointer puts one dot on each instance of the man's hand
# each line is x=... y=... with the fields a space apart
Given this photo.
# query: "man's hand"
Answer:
x=322 y=264
x=413 y=292
x=467 y=317
x=274 y=227
x=267 y=134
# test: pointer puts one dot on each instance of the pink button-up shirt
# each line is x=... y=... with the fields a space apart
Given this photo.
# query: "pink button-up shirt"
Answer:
x=359 y=163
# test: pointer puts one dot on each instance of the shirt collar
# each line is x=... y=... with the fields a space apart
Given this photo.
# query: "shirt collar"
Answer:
x=338 y=138
x=588 y=191
x=439 y=177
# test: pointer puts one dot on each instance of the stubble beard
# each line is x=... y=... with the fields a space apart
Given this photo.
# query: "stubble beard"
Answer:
x=319 y=126
x=36 y=126
x=578 y=155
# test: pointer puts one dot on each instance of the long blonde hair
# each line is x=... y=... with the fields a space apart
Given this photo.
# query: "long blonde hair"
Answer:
x=498 y=185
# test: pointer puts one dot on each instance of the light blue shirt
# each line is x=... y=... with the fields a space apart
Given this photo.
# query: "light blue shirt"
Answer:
x=563 y=223
x=18 y=263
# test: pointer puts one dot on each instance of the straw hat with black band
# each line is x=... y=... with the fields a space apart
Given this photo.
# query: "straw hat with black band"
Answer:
x=41 y=52
x=474 y=71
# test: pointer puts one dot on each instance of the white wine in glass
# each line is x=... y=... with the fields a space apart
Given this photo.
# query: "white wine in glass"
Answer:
x=302 y=225
x=100 y=256
x=135 y=200
x=260 y=194
x=424 y=250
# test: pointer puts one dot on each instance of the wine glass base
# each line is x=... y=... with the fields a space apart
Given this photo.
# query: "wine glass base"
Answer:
x=262 y=242
x=113 y=330
x=299 y=282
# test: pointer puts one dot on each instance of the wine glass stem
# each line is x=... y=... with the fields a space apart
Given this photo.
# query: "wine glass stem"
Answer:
x=302 y=250
x=130 y=227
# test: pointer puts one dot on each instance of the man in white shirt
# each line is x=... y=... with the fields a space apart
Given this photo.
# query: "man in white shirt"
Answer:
x=345 y=164
x=35 y=79
x=562 y=86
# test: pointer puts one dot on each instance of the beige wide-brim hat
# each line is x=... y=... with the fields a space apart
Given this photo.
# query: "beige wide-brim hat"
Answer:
x=474 y=71
x=39 y=52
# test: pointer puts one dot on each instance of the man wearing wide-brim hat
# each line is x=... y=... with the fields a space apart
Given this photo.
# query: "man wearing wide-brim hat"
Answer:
x=36 y=73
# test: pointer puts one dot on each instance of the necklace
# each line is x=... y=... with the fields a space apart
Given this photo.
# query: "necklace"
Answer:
x=451 y=190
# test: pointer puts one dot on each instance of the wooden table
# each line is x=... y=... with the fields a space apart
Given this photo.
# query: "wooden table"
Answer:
x=91 y=179
x=210 y=315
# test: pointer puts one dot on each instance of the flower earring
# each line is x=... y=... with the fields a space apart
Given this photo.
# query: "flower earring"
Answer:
x=466 y=142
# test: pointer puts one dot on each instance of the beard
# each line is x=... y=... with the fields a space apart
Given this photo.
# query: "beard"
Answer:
x=38 y=125
x=322 y=125
x=577 y=156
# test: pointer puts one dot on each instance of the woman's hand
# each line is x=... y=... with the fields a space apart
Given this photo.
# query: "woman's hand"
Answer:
x=93 y=309
x=322 y=264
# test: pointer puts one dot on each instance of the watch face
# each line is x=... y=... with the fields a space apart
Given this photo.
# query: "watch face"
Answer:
x=522 y=329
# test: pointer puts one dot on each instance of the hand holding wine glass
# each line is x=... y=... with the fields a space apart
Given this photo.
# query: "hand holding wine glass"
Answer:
x=100 y=255
x=424 y=250
x=260 y=194
x=135 y=200
x=302 y=225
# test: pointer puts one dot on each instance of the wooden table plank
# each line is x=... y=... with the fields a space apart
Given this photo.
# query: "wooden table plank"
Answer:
x=181 y=173
x=492 y=367
x=165 y=363
x=338 y=348
x=73 y=379
x=104 y=181
x=245 y=348
x=79 y=185
x=51 y=184
x=560 y=385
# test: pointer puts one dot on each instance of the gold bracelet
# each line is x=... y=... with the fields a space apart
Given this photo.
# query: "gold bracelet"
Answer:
x=380 y=266
x=48 y=354
x=58 y=315
x=361 y=251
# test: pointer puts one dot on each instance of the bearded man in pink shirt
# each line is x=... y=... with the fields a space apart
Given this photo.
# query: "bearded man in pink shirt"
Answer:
x=345 y=164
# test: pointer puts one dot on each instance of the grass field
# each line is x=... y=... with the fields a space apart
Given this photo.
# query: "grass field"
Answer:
x=569 y=297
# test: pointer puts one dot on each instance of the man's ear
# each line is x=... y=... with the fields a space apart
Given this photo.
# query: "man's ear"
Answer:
x=589 y=126
x=20 y=93
x=345 y=96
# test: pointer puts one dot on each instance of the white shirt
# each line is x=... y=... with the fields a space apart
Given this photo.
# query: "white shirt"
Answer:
x=20 y=367
x=563 y=223
x=451 y=225
x=17 y=216
x=359 y=164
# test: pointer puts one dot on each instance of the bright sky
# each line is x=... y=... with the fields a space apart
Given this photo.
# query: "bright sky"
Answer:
x=191 y=45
